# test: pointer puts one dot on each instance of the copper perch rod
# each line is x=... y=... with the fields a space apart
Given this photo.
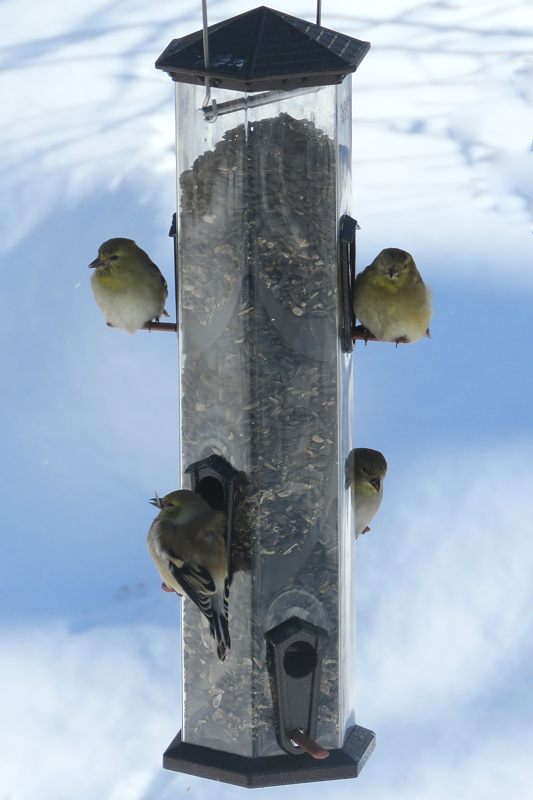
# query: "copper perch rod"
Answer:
x=309 y=746
x=171 y=327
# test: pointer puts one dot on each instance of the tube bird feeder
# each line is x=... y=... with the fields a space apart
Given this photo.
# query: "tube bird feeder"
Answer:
x=263 y=248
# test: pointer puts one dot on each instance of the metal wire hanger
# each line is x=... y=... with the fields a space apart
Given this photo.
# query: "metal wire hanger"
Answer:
x=209 y=107
x=212 y=113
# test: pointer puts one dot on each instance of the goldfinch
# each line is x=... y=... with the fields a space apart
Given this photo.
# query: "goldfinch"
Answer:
x=127 y=286
x=365 y=470
x=186 y=541
x=390 y=298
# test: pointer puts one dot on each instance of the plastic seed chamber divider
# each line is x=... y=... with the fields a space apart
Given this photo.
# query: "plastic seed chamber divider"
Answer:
x=266 y=417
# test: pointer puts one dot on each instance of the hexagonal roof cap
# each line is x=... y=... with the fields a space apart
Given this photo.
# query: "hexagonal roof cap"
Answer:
x=264 y=49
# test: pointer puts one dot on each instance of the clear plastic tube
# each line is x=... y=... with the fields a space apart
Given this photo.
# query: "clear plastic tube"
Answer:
x=263 y=383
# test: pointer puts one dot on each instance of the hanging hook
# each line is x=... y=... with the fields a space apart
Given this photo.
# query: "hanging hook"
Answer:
x=318 y=11
x=207 y=97
x=205 y=37
x=212 y=114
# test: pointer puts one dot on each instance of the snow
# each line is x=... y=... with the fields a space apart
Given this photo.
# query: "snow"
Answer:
x=443 y=167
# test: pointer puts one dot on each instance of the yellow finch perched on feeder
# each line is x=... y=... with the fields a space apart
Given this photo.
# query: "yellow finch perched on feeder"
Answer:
x=390 y=298
x=186 y=541
x=127 y=285
x=365 y=470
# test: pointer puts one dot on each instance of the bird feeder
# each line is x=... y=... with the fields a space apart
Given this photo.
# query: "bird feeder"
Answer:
x=264 y=262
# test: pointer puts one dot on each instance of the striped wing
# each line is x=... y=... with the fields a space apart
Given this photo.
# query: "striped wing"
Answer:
x=198 y=584
x=195 y=581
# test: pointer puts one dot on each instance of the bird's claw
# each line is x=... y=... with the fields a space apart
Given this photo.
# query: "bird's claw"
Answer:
x=365 y=530
x=166 y=588
x=360 y=332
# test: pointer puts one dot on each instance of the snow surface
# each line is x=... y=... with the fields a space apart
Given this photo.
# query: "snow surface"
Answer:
x=443 y=167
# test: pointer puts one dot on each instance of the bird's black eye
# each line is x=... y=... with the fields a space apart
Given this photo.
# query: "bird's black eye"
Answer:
x=114 y=258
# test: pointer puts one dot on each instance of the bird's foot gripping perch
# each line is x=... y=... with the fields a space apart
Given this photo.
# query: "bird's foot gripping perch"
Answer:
x=362 y=333
x=169 y=327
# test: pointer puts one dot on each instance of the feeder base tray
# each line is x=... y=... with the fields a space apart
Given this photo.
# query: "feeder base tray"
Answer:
x=204 y=762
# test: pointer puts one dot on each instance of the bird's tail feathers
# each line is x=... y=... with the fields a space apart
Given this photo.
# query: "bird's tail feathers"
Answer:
x=219 y=623
x=222 y=636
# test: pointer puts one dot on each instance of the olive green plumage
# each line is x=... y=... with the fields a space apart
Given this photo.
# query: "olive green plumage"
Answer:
x=186 y=541
x=390 y=298
x=365 y=471
x=127 y=286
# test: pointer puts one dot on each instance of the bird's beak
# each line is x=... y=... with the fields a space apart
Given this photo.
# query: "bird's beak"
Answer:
x=376 y=483
x=392 y=271
x=156 y=501
x=96 y=263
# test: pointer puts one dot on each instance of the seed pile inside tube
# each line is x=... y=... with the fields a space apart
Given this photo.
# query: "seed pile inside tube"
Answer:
x=258 y=305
